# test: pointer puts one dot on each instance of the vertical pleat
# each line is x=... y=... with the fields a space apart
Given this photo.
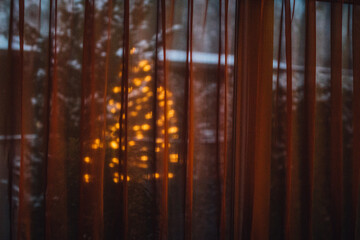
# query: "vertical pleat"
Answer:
x=124 y=120
x=289 y=118
x=23 y=228
x=253 y=122
x=55 y=186
x=309 y=98
x=164 y=225
x=190 y=125
x=217 y=113
x=336 y=133
x=356 y=117
x=225 y=129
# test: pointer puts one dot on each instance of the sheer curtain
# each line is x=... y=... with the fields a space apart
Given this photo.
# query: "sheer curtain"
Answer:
x=197 y=119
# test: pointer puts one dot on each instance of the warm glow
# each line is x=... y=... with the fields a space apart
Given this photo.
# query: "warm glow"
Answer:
x=136 y=127
x=171 y=113
x=87 y=178
x=113 y=110
x=133 y=114
x=157 y=149
x=157 y=175
x=147 y=68
x=114 y=145
x=111 y=101
x=159 y=140
x=116 y=89
x=170 y=175
x=161 y=103
x=87 y=159
x=139 y=135
x=138 y=107
x=117 y=125
x=148 y=115
x=111 y=165
x=142 y=63
x=145 y=89
x=118 y=105
x=116 y=174
x=131 y=143
x=116 y=180
x=145 y=127
x=173 y=130
x=147 y=78
x=144 y=158
x=142 y=165
x=132 y=50
x=137 y=81
x=174 y=158
x=115 y=160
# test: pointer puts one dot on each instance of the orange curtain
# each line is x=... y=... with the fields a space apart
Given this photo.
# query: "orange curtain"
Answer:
x=196 y=119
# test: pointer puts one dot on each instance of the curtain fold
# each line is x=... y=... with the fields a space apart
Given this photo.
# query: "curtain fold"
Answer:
x=197 y=119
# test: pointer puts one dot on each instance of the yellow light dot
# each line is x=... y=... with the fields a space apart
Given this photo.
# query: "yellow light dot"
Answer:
x=130 y=103
x=170 y=175
x=149 y=94
x=159 y=140
x=157 y=175
x=142 y=63
x=87 y=178
x=170 y=102
x=138 y=107
x=157 y=149
x=128 y=178
x=118 y=105
x=132 y=50
x=117 y=125
x=137 y=81
x=145 y=99
x=136 y=127
x=131 y=143
x=161 y=103
x=113 y=110
x=116 y=180
x=111 y=165
x=145 y=127
x=133 y=114
x=147 y=78
x=116 y=89
x=130 y=89
x=147 y=68
x=115 y=160
x=144 y=158
x=123 y=148
x=174 y=158
x=94 y=146
x=116 y=174
x=161 y=96
x=173 y=130
x=111 y=101
x=120 y=74
x=86 y=159
x=160 y=122
x=142 y=165
x=148 y=115
x=145 y=89
x=114 y=145
x=122 y=177
x=171 y=113
x=139 y=135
